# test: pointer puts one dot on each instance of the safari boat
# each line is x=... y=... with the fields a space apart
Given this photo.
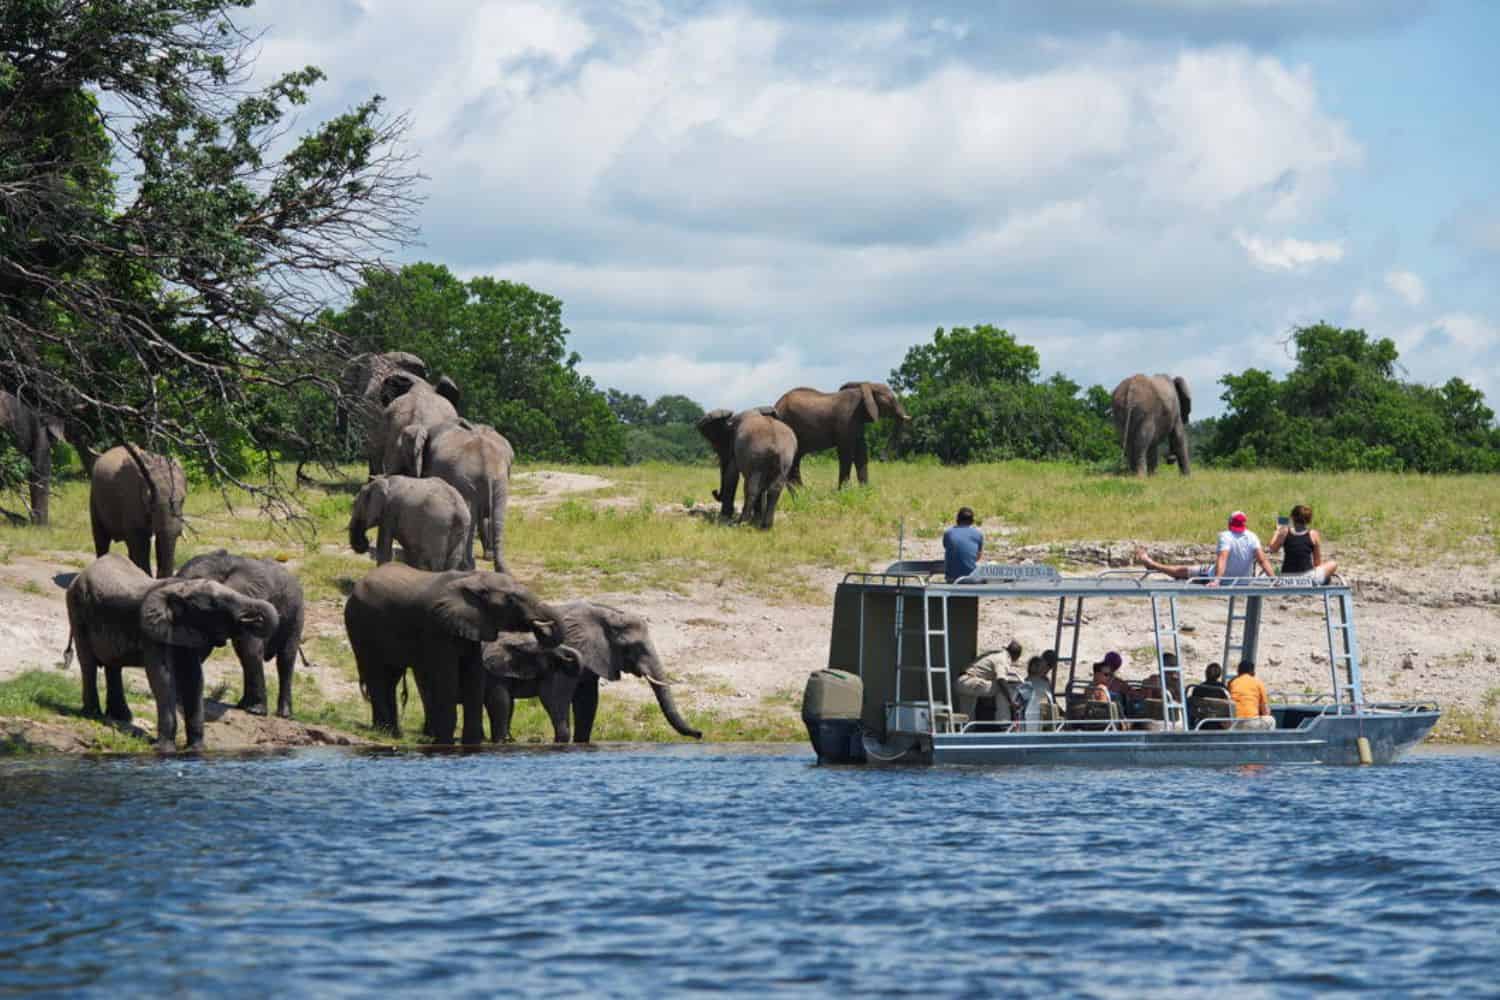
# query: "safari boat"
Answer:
x=901 y=638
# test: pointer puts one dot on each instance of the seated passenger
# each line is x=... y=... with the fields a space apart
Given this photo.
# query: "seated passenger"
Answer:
x=1210 y=699
x=984 y=679
x=1034 y=697
x=1239 y=553
x=1252 y=708
x=1098 y=689
x=1117 y=686
x=1213 y=683
x=1303 y=561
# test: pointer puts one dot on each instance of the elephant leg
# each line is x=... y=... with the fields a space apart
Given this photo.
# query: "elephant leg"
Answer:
x=384 y=541
x=187 y=671
x=441 y=700
x=499 y=502
x=1180 y=447
x=557 y=710
x=387 y=713
x=101 y=533
x=729 y=484
x=159 y=676
x=862 y=460
x=585 y=706
x=471 y=693
x=846 y=461
x=251 y=653
x=88 y=669
x=138 y=544
x=286 y=665
x=115 y=706
x=498 y=704
x=754 y=487
x=1153 y=455
x=794 y=475
x=773 y=496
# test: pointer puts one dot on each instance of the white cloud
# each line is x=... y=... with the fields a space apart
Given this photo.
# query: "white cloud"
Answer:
x=1407 y=285
x=1289 y=254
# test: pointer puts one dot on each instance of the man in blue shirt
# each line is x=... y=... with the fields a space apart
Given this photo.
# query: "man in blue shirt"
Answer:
x=962 y=545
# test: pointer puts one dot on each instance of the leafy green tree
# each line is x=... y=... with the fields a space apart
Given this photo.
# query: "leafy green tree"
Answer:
x=673 y=410
x=980 y=354
x=629 y=407
x=152 y=305
x=505 y=345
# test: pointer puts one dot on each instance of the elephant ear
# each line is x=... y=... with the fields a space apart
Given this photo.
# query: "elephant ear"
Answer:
x=53 y=428
x=166 y=615
x=521 y=659
x=586 y=631
x=396 y=385
x=714 y=426
x=459 y=611
x=448 y=389
x=1184 y=398
x=868 y=395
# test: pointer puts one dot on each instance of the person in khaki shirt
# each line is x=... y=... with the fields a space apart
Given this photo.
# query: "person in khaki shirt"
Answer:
x=1252 y=708
x=984 y=678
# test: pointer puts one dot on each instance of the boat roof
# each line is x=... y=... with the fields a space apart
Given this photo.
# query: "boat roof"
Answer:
x=1041 y=580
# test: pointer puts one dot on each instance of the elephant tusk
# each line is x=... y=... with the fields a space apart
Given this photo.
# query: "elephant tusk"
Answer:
x=653 y=680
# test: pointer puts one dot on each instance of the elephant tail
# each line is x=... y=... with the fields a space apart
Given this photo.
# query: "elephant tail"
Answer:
x=68 y=652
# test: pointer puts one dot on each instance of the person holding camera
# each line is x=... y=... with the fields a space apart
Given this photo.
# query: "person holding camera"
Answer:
x=1303 y=547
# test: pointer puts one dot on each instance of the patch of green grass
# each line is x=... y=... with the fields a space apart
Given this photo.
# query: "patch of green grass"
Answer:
x=49 y=696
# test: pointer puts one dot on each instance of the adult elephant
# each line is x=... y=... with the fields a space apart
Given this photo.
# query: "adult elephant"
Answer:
x=135 y=496
x=399 y=617
x=474 y=459
x=408 y=402
x=262 y=580
x=118 y=616
x=1149 y=409
x=34 y=436
x=754 y=444
x=427 y=516
x=608 y=642
x=823 y=420
x=360 y=385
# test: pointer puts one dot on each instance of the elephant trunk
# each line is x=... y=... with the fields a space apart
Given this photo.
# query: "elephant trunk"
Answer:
x=652 y=671
x=358 y=540
x=166 y=549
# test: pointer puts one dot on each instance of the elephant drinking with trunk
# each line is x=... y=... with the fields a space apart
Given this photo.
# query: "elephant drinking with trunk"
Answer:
x=427 y=516
x=823 y=420
x=599 y=643
x=1147 y=410
x=400 y=617
x=34 y=435
x=118 y=616
x=136 y=496
x=262 y=580
x=754 y=444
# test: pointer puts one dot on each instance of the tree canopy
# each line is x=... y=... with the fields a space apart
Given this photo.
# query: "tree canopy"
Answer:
x=505 y=345
x=159 y=258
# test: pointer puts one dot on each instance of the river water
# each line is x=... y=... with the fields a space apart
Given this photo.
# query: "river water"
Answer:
x=742 y=871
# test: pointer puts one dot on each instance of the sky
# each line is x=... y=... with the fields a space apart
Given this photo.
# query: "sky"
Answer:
x=732 y=199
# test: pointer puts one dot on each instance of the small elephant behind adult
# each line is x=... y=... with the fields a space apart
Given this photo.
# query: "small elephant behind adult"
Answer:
x=34 y=435
x=517 y=667
x=754 y=444
x=408 y=401
x=427 y=516
x=475 y=459
x=118 y=616
x=360 y=385
x=609 y=643
x=1150 y=409
x=823 y=420
x=264 y=580
x=136 y=502
x=400 y=618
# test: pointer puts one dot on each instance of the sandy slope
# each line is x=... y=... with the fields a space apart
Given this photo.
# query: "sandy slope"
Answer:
x=1432 y=633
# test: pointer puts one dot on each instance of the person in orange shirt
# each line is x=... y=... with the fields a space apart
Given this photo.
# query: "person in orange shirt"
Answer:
x=1252 y=709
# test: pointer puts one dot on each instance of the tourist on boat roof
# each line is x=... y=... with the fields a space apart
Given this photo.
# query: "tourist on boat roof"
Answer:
x=1250 y=701
x=1239 y=553
x=1303 y=561
x=963 y=544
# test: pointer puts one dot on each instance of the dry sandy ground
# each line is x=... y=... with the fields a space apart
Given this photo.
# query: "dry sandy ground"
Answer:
x=1430 y=634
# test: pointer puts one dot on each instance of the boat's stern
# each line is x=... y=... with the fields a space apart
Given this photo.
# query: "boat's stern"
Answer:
x=831 y=707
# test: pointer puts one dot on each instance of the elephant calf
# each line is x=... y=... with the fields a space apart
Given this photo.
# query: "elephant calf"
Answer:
x=607 y=642
x=119 y=617
x=268 y=581
x=126 y=505
x=754 y=444
x=427 y=516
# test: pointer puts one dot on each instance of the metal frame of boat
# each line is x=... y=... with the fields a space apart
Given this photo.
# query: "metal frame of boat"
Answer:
x=908 y=636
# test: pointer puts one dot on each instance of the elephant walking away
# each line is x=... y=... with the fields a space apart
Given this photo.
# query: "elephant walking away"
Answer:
x=118 y=616
x=754 y=444
x=408 y=402
x=434 y=623
x=427 y=516
x=1147 y=410
x=823 y=420
x=264 y=580
x=608 y=642
x=475 y=459
x=34 y=435
x=360 y=385
x=127 y=505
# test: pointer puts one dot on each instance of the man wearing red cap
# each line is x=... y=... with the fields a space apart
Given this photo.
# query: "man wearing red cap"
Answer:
x=1239 y=553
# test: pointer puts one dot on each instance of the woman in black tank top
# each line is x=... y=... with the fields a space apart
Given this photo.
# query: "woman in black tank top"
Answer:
x=1298 y=546
x=1304 y=547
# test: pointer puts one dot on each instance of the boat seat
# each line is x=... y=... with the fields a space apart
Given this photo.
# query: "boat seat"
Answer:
x=1095 y=712
x=1201 y=707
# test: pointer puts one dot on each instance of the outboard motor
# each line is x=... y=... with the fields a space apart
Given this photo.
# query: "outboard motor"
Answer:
x=831 y=707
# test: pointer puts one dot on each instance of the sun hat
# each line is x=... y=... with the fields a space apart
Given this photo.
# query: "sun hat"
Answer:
x=1111 y=660
x=1237 y=521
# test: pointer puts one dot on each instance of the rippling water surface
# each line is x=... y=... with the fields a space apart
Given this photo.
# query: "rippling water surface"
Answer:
x=741 y=870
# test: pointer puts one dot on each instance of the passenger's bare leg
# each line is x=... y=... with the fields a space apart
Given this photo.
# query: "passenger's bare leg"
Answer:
x=1175 y=572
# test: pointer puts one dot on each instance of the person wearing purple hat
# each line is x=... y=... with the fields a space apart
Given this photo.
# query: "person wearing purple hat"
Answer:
x=1239 y=552
x=1111 y=665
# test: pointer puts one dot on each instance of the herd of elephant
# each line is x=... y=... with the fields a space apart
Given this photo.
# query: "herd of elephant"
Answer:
x=476 y=638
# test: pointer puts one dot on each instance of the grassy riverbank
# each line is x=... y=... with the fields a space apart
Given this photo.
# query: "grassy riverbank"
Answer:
x=650 y=530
